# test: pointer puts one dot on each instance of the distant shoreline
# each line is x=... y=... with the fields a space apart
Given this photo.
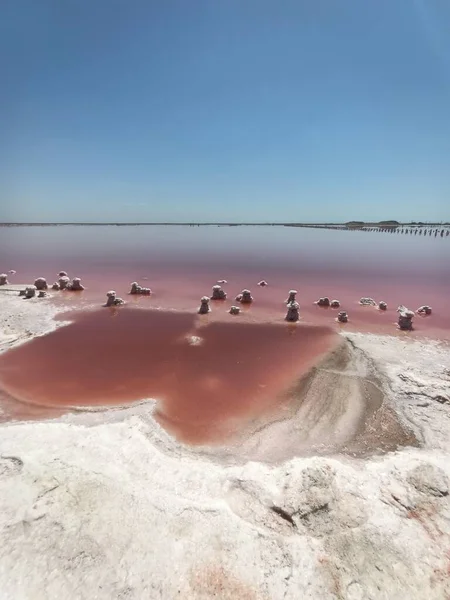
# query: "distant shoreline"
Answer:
x=348 y=225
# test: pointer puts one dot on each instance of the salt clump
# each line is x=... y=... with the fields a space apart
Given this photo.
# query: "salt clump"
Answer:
x=323 y=301
x=112 y=299
x=405 y=318
x=204 y=307
x=367 y=302
x=293 y=312
x=218 y=293
x=138 y=289
x=41 y=283
x=342 y=317
x=245 y=297
x=291 y=296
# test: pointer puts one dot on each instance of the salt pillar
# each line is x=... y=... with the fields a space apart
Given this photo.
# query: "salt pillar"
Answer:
x=112 y=299
x=76 y=285
x=291 y=297
x=218 y=293
x=204 y=307
x=3 y=279
x=405 y=317
x=245 y=297
x=293 y=312
x=63 y=282
x=342 y=317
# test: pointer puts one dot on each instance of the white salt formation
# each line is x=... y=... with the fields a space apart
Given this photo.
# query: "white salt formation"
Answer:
x=293 y=312
x=41 y=283
x=204 y=307
x=112 y=299
x=138 y=289
x=218 y=293
x=235 y=310
x=245 y=297
x=424 y=310
x=382 y=305
x=3 y=279
x=75 y=286
x=292 y=296
x=405 y=318
x=263 y=283
x=335 y=304
x=342 y=317
x=30 y=291
x=323 y=301
x=63 y=282
x=367 y=302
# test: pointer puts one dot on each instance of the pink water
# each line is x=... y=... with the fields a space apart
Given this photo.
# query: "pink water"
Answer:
x=181 y=264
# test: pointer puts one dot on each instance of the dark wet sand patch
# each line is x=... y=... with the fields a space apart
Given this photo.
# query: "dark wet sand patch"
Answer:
x=208 y=380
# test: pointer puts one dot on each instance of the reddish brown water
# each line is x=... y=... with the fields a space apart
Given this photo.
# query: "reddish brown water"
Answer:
x=206 y=390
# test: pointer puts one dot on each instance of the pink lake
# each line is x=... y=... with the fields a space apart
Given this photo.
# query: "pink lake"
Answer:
x=181 y=263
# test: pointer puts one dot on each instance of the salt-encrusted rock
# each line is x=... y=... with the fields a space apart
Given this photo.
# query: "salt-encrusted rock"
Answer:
x=293 y=312
x=63 y=282
x=245 y=297
x=42 y=294
x=3 y=279
x=55 y=286
x=41 y=283
x=424 y=310
x=382 y=305
x=291 y=296
x=30 y=291
x=367 y=302
x=112 y=299
x=235 y=310
x=75 y=286
x=335 y=304
x=405 y=318
x=222 y=281
x=138 y=289
x=62 y=274
x=342 y=317
x=323 y=301
x=204 y=307
x=218 y=293
x=263 y=283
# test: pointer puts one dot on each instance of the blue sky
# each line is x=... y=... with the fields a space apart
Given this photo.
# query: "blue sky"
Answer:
x=227 y=110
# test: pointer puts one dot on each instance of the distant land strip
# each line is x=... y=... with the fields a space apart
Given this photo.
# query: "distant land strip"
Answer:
x=347 y=225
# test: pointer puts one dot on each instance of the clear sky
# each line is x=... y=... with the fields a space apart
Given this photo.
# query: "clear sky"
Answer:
x=224 y=110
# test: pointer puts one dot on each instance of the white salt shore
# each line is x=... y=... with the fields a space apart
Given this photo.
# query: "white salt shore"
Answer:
x=107 y=505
